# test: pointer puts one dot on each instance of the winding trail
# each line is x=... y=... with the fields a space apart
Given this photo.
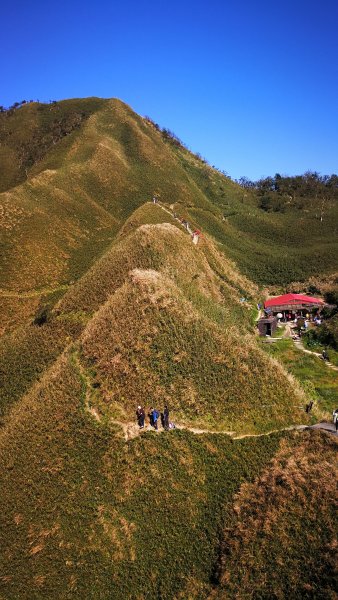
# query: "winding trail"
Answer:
x=31 y=293
x=172 y=214
x=131 y=430
x=299 y=344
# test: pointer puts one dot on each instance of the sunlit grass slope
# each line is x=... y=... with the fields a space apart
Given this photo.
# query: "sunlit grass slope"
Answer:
x=319 y=381
x=149 y=344
x=281 y=539
x=209 y=281
x=271 y=248
x=75 y=171
x=80 y=192
x=107 y=303
x=85 y=515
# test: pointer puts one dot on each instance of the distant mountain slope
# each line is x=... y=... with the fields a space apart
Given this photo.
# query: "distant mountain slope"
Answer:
x=92 y=162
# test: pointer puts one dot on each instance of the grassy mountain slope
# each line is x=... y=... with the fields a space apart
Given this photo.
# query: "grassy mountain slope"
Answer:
x=149 y=344
x=281 y=541
x=84 y=166
x=87 y=516
x=209 y=281
x=28 y=134
x=106 y=303
x=271 y=248
x=187 y=350
x=86 y=185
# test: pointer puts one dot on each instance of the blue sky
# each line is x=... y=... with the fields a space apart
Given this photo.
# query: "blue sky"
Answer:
x=250 y=84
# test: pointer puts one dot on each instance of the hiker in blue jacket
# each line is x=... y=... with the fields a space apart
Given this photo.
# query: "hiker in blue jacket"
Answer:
x=154 y=415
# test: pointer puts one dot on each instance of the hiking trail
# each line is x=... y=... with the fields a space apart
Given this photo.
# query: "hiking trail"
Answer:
x=131 y=430
x=288 y=332
x=32 y=293
x=185 y=224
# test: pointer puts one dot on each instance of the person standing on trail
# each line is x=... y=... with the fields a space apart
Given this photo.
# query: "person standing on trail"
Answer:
x=140 y=416
x=335 y=418
x=154 y=415
x=166 y=418
x=309 y=407
x=325 y=355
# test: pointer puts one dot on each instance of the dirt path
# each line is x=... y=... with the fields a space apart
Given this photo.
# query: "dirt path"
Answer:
x=131 y=429
x=31 y=293
x=172 y=214
x=299 y=344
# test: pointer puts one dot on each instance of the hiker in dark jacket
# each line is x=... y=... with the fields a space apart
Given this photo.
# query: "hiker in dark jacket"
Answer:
x=140 y=414
x=166 y=418
x=325 y=355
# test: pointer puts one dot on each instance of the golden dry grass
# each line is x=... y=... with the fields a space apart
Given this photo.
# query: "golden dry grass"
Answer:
x=282 y=538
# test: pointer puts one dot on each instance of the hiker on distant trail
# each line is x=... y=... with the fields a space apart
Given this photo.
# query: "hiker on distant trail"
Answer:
x=140 y=416
x=154 y=199
x=309 y=407
x=335 y=418
x=325 y=355
x=154 y=415
x=166 y=418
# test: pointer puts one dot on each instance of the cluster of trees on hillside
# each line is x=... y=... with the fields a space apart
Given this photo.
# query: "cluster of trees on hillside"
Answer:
x=15 y=105
x=277 y=192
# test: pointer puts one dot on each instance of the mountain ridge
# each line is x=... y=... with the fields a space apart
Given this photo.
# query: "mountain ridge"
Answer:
x=110 y=305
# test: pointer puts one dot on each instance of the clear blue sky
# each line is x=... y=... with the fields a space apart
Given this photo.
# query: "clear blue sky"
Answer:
x=250 y=84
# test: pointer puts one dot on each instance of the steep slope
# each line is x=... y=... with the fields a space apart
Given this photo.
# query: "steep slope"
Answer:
x=86 y=515
x=30 y=132
x=107 y=303
x=210 y=282
x=282 y=538
x=149 y=345
x=80 y=192
x=76 y=171
x=271 y=248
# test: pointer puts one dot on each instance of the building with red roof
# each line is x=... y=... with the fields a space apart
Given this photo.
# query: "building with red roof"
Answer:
x=293 y=303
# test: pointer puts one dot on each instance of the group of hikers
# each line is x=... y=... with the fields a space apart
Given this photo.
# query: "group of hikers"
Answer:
x=154 y=416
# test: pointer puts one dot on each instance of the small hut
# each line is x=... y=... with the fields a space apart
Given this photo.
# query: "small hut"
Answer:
x=267 y=326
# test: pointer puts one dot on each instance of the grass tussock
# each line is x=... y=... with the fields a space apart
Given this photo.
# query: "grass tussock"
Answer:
x=281 y=542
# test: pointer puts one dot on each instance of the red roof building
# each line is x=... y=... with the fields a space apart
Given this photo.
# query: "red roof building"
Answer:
x=293 y=302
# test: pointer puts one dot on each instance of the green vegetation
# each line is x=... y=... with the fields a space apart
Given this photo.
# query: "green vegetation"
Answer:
x=45 y=125
x=106 y=303
x=95 y=518
x=318 y=380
